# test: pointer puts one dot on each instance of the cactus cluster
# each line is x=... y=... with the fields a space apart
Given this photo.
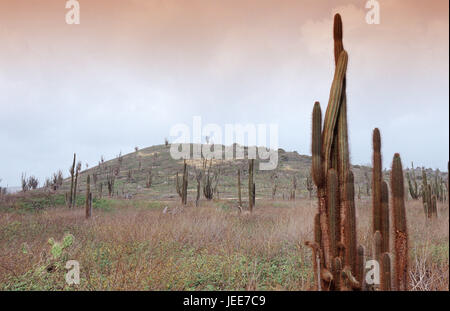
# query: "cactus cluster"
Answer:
x=56 y=248
x=380 y=210
x=339 y=263
x=334 y=248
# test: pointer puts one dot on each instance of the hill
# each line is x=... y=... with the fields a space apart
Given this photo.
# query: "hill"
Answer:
x=132 y=170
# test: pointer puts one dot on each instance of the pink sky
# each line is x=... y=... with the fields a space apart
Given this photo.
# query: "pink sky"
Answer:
x=147 y=64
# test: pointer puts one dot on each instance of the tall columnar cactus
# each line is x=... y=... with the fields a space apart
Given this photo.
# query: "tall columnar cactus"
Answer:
x=184 y=184
x=239 y=187
x=434 y=206
x=448 y=179
x=412 y=183
x=427 y=196
x=437 y=185
x=208 y=187
x=75 y=185
x=380 y=195
x=337 y=251
x=376 y=181
x=251 y=185
x=178 y=185
x=380 y=209
x=149 y=179
x=317 y=169
x=72 y=175
x=88 y=204
x=400 y=228
x=385 y=224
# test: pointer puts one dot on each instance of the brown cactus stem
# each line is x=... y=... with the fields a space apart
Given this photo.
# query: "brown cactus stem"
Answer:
x=337 y=272
x=317 y=231
x=325 y=232
x=316 y=148
x=239 y=188
x=340 y=142
x=184 y=184
x=434 y=206
x=332 y=112
x=351 y=283
x=385 y=224
x=333 y=217
x=327 y=279
x=377 y=246
x=315 y=248
x=75 y=184
x=400 y=228
x=72 y=175
x=88 y=195
x=337 y=37
x=349 y=234
x=377 y=252
x=343 y=162
x=385 y=280
x=361 y=262
x=376 y=181
x=429 y=197
x=251 y=200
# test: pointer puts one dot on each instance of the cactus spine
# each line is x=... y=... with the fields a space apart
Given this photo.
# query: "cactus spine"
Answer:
x=400 y=228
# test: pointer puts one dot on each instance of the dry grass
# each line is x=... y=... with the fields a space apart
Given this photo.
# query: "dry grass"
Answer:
x=132 y=245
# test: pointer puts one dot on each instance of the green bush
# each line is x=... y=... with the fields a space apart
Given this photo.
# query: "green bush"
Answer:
x=102 y=204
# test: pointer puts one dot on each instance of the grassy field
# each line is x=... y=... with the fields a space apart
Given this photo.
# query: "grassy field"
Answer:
x=133 y=245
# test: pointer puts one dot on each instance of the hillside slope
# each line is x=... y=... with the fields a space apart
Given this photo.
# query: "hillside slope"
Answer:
x=132 y=176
